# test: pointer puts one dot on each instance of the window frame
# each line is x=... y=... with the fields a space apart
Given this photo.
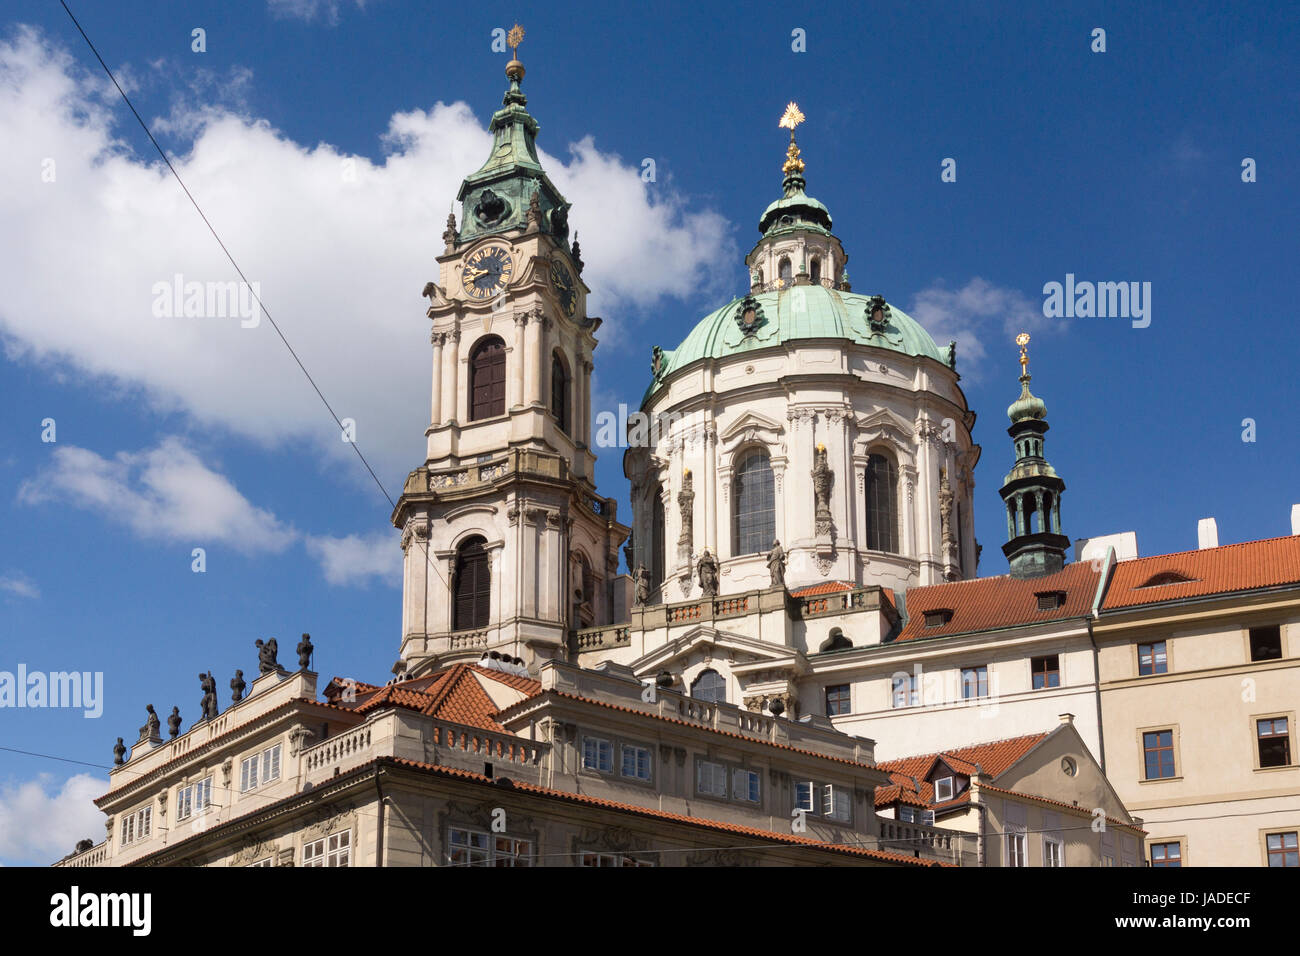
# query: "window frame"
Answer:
x=912 y=692
x=1288 y=720
x=561 y=389
x=1159 y=660
x=1158 y=750
x=1166 y=861
x=876 y=538
x=981 y=682
x=194 y=799
x=951 y=780
x=1016 y=846
x=258 y=763
x=717 y=772
x=757 y=538
x=1250 y=643
x=1051 y=842
x=471 y=555
x=837 y=696
x=489 y=407
x=636 y=750
x=1284 y=850
x=604 y=749
x=1046 y=673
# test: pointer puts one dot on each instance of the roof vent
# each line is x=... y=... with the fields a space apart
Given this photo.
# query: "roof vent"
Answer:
x=1050 y=600
x=1165 y=577
x=938 y=617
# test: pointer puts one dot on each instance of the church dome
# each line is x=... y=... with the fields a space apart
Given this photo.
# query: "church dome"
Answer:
x=797 y=313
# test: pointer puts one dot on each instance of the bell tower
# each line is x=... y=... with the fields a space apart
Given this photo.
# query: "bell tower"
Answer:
x=508 y=547
x=1032 y=491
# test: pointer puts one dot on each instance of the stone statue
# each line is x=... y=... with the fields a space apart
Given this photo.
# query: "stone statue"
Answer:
x=945 y=509
x=119 y=753
x=209 y=703
x=776 y=564
x=534 y=212
x=577 y=254
x=640 y=586
x=174 y=723
x=150 y=730
x=305 y=647
x=449 y=234
x=708 y=568
x=237 y=686
x=822 y=477
x=686 y=503
x=266 y=656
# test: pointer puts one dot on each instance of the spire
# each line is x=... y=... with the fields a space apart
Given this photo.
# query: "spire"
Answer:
x=497 y=198
x=1032 y=491
x=795 y=208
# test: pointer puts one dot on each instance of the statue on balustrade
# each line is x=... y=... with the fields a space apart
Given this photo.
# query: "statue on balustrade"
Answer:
x=708 y=569
x=266 y=656
x=237 y=685
x=776 y=564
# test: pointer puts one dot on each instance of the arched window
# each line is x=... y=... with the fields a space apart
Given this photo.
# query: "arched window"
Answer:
x=754 y=528
x=882 y=504
x=784 y=273
x=560 y=392
x=473 y=588
x=658 y=539
x=487 y=379
x=710 y=686
x=815 y=270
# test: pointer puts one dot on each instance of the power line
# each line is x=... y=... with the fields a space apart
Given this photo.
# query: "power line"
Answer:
x=145 y=126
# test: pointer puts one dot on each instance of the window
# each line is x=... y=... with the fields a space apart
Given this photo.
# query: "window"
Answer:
x=907 y=814
x=815 y=269
x=1017 y=848
x=835 y=803
x=560 y=393
x=1152 y=659
x=471 y=586
x=1283 y=849
x=938 y=617
x=1265 y=643
x=837 y=700
x=636 y=762
x=710 y=686
x=711 y=779
x=612 y=859
x=1166 y=854
x=745 y=785
x=1274 y=742
x=1158 y=753
x=468 y=848
x=974 y=682
x=784 y=273
x=194 y=799
x=754 y=529
x=509 y=851
x=264 y=862
x=882 y=504
x=1050 y=600
x=259 y=769
x=905 y=692
x=597 y=754
x=1053 y=852
x=943 y=790
x=1046 y=671
x=803 y=796
x=137 y=826
x=487 y=379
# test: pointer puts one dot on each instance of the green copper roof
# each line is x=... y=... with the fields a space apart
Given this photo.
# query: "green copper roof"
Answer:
x=1028 y=405
x=799 y=312
x=794 y=210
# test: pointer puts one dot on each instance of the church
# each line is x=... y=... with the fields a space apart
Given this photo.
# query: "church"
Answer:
x=786 y=640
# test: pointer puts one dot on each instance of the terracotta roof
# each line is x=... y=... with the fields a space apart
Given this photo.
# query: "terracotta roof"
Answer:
x=694 y=726
x=453 y=693
x=993 y=758
x=1232 y=567
x=826 y=587
x=986 y=603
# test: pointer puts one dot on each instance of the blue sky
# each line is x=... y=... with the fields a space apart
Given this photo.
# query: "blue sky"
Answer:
x=1115 y=166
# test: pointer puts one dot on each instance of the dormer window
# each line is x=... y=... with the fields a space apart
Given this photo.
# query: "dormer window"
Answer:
x=943 y=789
x=1050 y=600
x=1165 y=577
x=938 y=617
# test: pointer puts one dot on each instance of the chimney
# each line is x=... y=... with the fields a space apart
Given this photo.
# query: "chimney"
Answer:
x=1207 y=534
x=1295 y=519
x=1066 y=718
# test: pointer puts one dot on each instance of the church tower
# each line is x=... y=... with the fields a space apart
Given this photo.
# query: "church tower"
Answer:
x=507 y=546
x=1032 y=491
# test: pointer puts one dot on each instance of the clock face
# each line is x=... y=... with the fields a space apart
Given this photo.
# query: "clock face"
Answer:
x=487 y=272
x=564 y=287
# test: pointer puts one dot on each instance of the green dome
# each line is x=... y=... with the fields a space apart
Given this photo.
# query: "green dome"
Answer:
x=1028 y=405
x=799 y=312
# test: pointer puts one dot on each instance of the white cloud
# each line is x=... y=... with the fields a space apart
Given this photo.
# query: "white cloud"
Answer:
x=309 y=10
x=19 y=584
x=355 y=559
x=164 y=493
x=40 y=824
x=977 y=312
x=340 y=261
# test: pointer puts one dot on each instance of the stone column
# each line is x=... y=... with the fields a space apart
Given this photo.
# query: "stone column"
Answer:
x=516 y=370
x=532 y=380
x=435 y=403
x=543 y=393
x=451 y=378
x=584 y=403
x=711 y=484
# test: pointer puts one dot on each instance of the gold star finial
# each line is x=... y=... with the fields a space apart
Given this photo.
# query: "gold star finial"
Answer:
x=792 y=117
x=1023 y=340
x=513 y=39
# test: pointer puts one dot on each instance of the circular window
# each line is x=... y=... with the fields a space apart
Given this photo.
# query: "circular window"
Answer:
x=1068 y=766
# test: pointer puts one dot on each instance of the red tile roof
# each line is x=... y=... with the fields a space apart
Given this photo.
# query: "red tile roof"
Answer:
x=453 y=694
x=984 y=604
x=1233 y=567
x=826 y=587
x=993 y=758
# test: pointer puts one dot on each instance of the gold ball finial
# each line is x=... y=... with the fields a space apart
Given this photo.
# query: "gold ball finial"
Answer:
x=515 y=69
x=1023 y=340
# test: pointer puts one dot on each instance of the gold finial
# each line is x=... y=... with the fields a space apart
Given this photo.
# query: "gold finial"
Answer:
x=791 y=118
x=513 y=39
x=686 y=472
x=821 y=447
x=1022 y=340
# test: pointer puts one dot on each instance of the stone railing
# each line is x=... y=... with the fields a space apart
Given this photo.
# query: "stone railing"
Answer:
x=95 y=856
x=731 y=606
x=336 y=750
x=837 y=602
x=600 y=638
x=466 y=640
x=684 y=613
x=486 y=743
x=900 y=835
